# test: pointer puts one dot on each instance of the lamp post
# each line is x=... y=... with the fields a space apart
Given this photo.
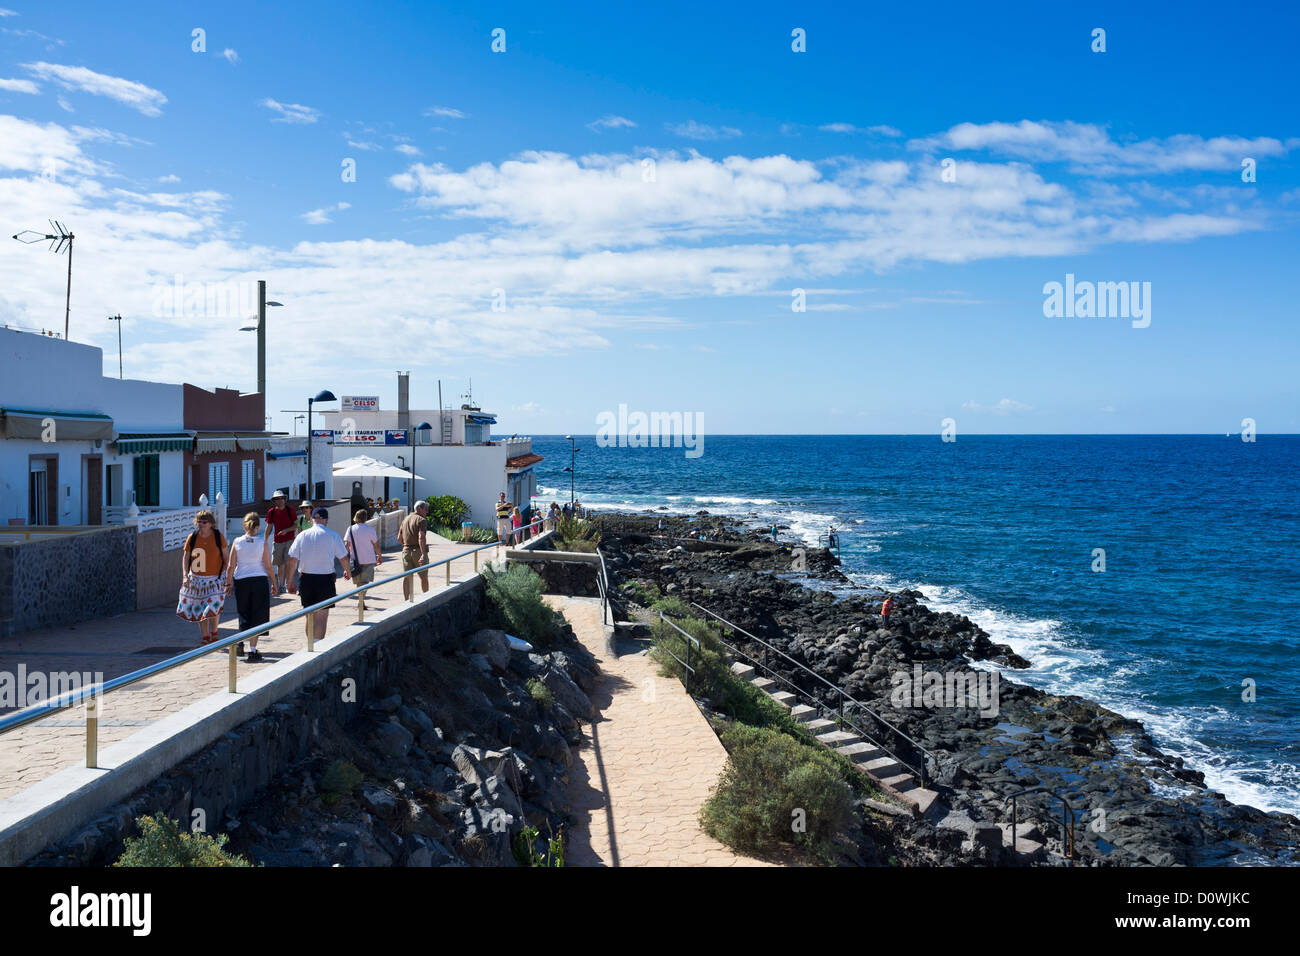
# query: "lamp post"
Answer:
x=260 y=329
x=573 y=463
x=410 y=495
x=118 y=319
x=325 y=396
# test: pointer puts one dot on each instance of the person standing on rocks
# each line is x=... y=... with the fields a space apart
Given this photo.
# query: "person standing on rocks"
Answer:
x=415 y=548
x=253 y=579
x=886 y=609
x=315 y=551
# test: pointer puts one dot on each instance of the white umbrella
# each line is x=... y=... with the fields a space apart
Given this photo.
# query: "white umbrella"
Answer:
x=376 y=469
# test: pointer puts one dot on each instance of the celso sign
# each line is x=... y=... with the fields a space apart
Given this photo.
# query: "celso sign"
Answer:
x=362 y=436
x=360 y=403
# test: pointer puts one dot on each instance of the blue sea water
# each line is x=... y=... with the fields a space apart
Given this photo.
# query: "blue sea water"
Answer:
x=1199 y=593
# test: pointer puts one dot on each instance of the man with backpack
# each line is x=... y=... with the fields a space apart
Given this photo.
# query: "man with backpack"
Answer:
x=281 y=526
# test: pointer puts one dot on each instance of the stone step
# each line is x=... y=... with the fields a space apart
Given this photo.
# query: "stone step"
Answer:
x=925 y=801
x=784 y=698
x=882 y=767
x=901 y=782
x=837 y=738
x=763 y=683
x=743 y=671
x=803 y=712
x=820 y=725
x=858 y=752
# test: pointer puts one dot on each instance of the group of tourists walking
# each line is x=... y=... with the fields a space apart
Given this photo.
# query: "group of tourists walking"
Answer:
x=293 y=553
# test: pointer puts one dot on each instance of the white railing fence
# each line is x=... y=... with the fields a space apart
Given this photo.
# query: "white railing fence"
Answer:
x=175 y=523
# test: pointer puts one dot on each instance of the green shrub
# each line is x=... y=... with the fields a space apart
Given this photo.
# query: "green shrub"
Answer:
x=540 y=692
x=477 y=535
x=514 y=604
x=526 y=852
x=161 y=843
x=642 y=592
x=338 y=781
x=674 y=607
x=769 y=778
x=448 y=511
x=706 y=660
x=575 y=534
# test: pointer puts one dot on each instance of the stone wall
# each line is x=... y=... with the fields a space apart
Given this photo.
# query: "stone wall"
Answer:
x=572 y=578
x=228 y=774
x=66 y=580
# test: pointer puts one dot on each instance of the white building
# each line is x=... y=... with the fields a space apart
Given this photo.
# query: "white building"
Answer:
x=286 y=466
x=456 y=455
x=73 y=442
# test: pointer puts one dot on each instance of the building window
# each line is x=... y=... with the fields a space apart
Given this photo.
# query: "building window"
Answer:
x=473 y=433
x=218 y=480
x=247 y=484
x=145 y=480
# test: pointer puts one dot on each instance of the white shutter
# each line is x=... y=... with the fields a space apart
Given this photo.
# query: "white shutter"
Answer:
x=218 y=481
x=247 y=482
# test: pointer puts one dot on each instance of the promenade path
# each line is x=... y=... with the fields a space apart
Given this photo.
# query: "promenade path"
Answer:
x=646 y=765
x=128 y=642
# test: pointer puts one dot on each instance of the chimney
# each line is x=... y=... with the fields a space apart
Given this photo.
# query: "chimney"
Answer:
x=403 y=399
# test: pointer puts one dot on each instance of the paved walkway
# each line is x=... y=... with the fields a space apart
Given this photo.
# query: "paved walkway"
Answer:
x=646 y=765
x=128 y=642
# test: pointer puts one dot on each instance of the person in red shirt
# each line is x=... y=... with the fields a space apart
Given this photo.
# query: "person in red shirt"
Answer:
x=280 y=522
x=886 y=609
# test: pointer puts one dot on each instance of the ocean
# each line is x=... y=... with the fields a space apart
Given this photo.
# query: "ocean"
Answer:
x=1196 y=609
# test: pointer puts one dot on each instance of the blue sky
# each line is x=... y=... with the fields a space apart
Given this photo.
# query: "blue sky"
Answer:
x=526 y=172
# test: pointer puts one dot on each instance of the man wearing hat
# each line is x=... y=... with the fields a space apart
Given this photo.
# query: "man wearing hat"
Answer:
x=280 y=523
x=313 y=552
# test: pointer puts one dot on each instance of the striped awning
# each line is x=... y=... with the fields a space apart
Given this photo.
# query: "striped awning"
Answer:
x=277 y=455
x=208 y=442
x=140 y=443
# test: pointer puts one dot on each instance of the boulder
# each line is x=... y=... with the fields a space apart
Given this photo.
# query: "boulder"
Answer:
x=392 y=739
x=568 y=694
x=493 y=645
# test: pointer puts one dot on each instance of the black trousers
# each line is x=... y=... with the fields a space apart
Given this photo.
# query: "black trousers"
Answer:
x=253 y=599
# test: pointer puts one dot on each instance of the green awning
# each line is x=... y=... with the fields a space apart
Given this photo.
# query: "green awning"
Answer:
x=142 y=443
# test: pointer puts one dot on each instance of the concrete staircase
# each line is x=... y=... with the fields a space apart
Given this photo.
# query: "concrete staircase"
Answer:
x=870 y=759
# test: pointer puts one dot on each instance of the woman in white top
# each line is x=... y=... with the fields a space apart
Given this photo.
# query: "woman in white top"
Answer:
x=362 y=543
x=250 y=569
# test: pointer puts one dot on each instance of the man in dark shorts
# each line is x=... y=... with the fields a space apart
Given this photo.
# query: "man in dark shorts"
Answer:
x=280 y=523
x=313 y=553
x=411 y=534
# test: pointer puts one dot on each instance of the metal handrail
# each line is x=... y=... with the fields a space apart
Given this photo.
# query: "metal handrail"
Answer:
x=602 y=581
x=843 y=695
x=1068 y=818
x=690 y=639
x=829 y=544
x=91 y=694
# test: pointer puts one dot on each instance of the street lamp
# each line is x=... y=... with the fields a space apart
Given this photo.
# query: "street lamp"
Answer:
x=260 y=329
x=410 y=495
x=573 y=462
x=325 y=396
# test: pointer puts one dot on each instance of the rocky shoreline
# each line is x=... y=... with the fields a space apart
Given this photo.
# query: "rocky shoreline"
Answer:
x=1133 y=804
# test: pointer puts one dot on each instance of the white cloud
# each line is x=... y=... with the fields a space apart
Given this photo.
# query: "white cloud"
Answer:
x=319 y=217
x=128 y=92
x=610 y=122
x=528 y=409
x=19 y=86
x=406 y=149
x=448 y=111
x=361 y=144
x=231 y=56
x=169 y=178
x=64 y=104
x=8 y=13
x=1090 y=148
x=850 y=128
x=693 y=130
x=291 y=112
x=1006 y=406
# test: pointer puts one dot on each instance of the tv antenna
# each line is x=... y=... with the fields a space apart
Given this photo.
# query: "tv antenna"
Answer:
x=59 y=239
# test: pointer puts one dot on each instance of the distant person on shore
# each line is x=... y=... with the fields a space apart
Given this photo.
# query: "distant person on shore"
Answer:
x=362 y=543
x=831 y=540
x=567 y=511
x=515 y=521
x=554 y=516
x=281 y=527
x=203 y=587
x=886 y=609
x=662 y=525
x=314 y=552
x=577 y=509
x=415 y=547
x=503 y=516
x=774 y=534
x=253 y=579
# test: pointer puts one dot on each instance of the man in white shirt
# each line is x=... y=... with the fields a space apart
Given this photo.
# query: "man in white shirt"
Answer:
x=313 y=553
